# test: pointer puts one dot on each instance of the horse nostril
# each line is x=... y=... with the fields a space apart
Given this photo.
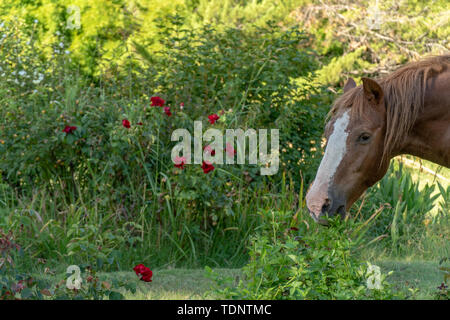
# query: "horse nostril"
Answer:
x=341 y=211
x=326 y=206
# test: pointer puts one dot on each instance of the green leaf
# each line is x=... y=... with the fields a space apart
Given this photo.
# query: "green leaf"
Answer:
x=114 y=295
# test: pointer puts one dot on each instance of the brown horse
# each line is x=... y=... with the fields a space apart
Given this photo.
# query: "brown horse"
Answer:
x=407 y=112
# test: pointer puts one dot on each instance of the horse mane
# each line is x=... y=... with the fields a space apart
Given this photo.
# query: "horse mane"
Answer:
x=404 y=92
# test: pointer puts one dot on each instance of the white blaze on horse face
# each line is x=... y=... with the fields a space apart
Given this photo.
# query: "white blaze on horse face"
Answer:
x=334 y=153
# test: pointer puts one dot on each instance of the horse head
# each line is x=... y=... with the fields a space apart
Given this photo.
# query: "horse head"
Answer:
x=406 y=112
x=354 y=153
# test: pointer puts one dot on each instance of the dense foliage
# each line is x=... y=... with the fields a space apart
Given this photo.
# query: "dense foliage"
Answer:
x=86 y=175
x=291 y=260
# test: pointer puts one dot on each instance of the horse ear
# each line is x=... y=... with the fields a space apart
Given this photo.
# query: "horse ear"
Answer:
x=372 y=90
x=349 y=85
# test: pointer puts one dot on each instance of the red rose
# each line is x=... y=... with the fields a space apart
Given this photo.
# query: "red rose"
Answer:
x=139 y=123
x=211 y=151
x=167 y=111
x=179 y=165
x=126 y=123
x=179 y=162
x=139 y=268
x=207 y=167
x=213 y=118
x=69 y=129
x=157 y=102
x=230 y=150
x=146 y=273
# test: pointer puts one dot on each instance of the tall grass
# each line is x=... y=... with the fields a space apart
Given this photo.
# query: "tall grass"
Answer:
x=411 y=222
x=162 y=230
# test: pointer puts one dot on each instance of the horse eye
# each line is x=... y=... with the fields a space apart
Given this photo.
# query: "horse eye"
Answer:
x=364 y=138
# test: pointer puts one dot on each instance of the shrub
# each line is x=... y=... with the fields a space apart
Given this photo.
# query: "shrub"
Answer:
x=64 y=138
x=290 y=260
x=259 y=78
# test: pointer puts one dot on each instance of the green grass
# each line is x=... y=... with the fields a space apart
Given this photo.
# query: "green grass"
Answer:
x=167 y=284
x=173 y=284
x=185 y=284
x=422 y=275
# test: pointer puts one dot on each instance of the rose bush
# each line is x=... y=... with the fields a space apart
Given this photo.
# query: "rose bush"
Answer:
x=103 y=145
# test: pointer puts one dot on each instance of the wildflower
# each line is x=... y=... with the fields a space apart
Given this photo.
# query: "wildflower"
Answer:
x=182 y=105
x=157 y=102
x=126 y=123
x=207 y=167
x=69 y=129
x=213 y=118
x=139 y=123
x=167 y=111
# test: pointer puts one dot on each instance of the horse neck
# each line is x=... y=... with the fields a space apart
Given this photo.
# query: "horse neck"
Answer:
x=430 y=136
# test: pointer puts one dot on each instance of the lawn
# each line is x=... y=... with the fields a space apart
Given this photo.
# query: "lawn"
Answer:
x=424 y=276
x=181 y=284
x=174 y=284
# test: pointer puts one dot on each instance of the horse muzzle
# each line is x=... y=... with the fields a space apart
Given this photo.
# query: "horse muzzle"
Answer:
x=320 y=209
